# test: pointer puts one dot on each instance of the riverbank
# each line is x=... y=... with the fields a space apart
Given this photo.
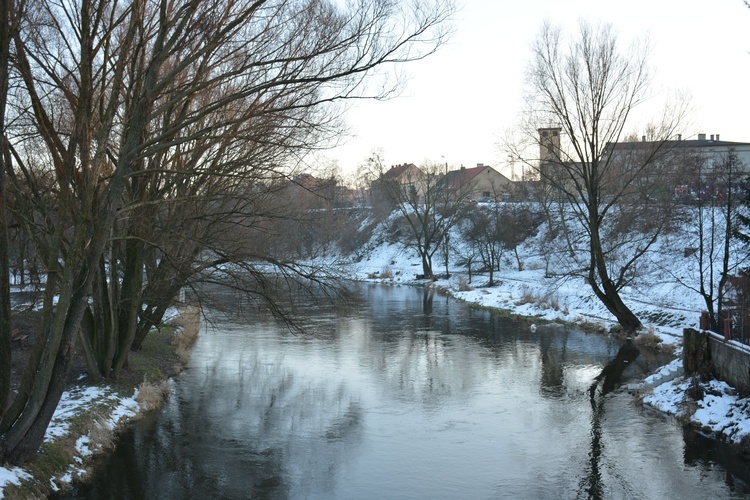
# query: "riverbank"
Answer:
x=721 y=412
x=89 y=417
x=664 y=305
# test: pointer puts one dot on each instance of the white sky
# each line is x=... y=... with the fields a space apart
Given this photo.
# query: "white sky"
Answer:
x=459 y=102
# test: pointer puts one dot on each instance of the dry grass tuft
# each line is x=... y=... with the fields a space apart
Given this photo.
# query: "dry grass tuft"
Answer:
x=152 y=395
x=527 y=297
x=530 y=296
x=386 y=273
x=189 y=323
x=463 y=284
x=687 y=408
x=101 y=437
x=650 y=340
x=591 y=326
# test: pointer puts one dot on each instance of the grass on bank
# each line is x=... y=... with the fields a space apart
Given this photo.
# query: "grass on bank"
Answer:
x=58 y=463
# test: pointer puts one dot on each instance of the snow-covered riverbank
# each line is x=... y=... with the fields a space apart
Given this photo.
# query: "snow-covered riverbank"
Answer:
x=664 y=306
x=83 y=425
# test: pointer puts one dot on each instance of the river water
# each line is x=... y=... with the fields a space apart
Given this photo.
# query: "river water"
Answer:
x=407 y=395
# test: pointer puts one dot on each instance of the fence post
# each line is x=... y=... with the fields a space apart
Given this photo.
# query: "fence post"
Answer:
x=705 y=321
x=727 y=329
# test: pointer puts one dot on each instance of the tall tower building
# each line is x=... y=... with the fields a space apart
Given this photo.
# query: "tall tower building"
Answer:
x=549 y=145
x=549 y=153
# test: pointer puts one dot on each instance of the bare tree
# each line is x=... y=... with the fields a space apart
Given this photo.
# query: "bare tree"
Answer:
x=139 y=110
x=429 y=208
x=712 y=214
x=8 y=24
x=482 y=228
x=581 y=94
x=493 y=228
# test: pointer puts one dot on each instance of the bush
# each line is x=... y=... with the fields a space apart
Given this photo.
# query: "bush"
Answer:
x=386 y=273
x=463 y=284
x=648 y=340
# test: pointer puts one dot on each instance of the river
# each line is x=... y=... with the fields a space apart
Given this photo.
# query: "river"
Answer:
x=409 y=395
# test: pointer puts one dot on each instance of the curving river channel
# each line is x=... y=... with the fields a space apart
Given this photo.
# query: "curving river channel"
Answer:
x=405 y=395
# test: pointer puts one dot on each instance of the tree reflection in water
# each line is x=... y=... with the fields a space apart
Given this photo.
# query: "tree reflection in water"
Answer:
x=413 y=395
x=592 y=482
x=611 y=375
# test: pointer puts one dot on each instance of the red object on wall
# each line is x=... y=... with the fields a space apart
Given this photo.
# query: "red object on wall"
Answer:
x=705 y=322
x=727 y=329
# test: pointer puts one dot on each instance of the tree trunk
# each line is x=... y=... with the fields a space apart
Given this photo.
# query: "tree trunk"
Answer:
x=5 y=320
x=5 y=159
x=129 y=304
x=608 y=293
x=23 y=427
x=426 y=265
x=155 y=307
x=492 y=267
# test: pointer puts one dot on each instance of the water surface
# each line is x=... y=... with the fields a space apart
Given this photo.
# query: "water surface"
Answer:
x=407 y=395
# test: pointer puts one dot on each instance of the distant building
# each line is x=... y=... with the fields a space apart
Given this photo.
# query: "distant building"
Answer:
x=688 y=167
x=673 y=165
x=553 y=170
x=710 y=151
x=406 y=173
x=478 y=183
x=397 y=182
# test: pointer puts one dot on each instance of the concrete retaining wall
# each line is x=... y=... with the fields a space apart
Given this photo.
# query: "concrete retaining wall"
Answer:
x=730 y=361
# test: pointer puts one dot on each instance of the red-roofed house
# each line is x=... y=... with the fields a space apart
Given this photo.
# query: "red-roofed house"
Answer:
x=397 y=180
x=480 y=182
x=404 y=174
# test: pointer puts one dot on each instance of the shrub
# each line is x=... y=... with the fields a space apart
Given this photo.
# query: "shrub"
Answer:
x=648 y=340
x=529 y=296
x=189 y=321
x=151 y=395
x=463 y=284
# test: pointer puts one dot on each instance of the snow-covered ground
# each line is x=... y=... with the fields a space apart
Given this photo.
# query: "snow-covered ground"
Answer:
x=113 y=408
x=664 y=306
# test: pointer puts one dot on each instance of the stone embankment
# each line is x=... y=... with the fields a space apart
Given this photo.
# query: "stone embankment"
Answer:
x=666 y=373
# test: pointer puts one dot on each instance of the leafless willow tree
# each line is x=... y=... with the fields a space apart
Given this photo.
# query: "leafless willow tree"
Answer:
x=8 y=24
x=581 y=94
x=139 y=136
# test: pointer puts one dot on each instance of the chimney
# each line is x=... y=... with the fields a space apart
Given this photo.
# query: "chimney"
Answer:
x=480 y=164
x=712 y=137
x=701 y=137
x=643 y=138
x=463 y=168
x=717 y=137
x=679 y=137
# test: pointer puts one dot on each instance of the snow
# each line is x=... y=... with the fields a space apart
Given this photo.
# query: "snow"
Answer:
x=661 y=298
x=659 y=295
x=114 y=408
x=11 y=475
x=721 y=412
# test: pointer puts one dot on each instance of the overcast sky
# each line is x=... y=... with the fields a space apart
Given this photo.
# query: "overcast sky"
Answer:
x=459 y=102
